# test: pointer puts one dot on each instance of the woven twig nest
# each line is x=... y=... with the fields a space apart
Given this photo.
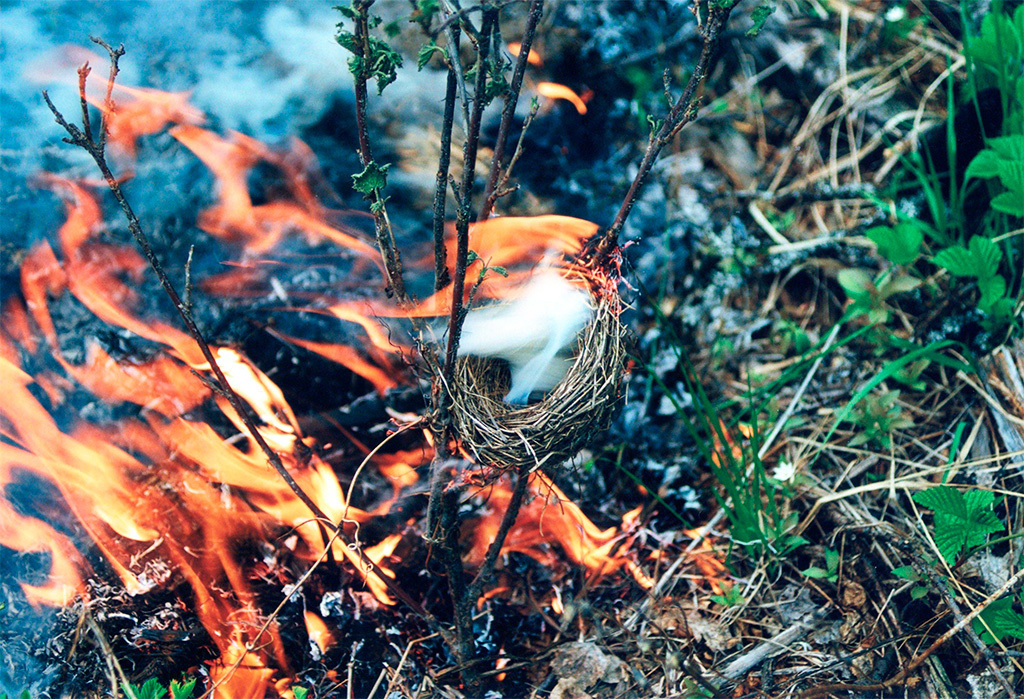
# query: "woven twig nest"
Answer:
x=555 y=428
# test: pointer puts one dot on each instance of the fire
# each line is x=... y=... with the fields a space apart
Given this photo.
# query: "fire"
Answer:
x=168 y=494
x=550 y=517
x=533 y=58
x=557 y=91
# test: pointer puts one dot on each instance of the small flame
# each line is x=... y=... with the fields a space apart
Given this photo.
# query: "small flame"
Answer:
x=557 y=91
x=318 y=632
x=533 y=58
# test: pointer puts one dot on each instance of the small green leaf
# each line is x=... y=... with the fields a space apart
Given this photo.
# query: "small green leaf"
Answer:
x=499 y=270
x=300 y=692
x=906 y=573
x=150 y=689
x=372 y=178
x=1011 y=203
x=1008 y=147
x=183 y=689
x=957 y=261
x=900 y=244
x=987 y=256
x=992 y=289
x=962 y=520
x=984 y=165
x=815 y=572
x=758 y=16
x=855 y=282
x=471 y=257
x=918 y=592
x=427 y=52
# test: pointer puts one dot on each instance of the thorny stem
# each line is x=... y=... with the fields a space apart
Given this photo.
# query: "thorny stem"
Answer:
x=95 y=148
x=382 y=226
x=682 y=113
x=509 y=109
x=441 y=276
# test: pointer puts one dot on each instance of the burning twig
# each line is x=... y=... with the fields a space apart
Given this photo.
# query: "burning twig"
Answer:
x=682 y=113
x=95 y=146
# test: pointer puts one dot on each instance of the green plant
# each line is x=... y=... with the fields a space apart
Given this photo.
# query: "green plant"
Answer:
x=152 y=689
x=999 y=620
x=831 y=570
x=980 y=261
x=300 y=692
x=878 y=415
x=730 y=596
x=962 y=520
x=908 y=573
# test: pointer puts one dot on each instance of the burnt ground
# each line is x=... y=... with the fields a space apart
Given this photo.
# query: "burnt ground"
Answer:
x=743 y=360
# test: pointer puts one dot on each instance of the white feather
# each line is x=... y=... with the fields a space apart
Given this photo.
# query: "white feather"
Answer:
x=530 y=332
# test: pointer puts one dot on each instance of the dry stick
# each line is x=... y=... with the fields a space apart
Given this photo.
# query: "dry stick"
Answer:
x=682 y=113
x=509 y=109
x=381 y=224
x=441 y=276
x=827 y=689
x=96 y=149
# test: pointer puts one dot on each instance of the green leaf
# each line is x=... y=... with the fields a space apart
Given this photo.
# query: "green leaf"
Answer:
x=372 y=178
x=426 y=53
x=992 y=289
x=984 y=165
x=987 y=256
x=1002 y=620
x=183 y=689
x=900 y=244
x=815 y=572
x=906 y=573
x=150 y=689
x=1011 y=174
x=758 y=16
x=300 y=692
x=957 y=261
x=1008 y=147
x=918 y=592
x=962 y=520
x=855 y=282
x=1011 y=203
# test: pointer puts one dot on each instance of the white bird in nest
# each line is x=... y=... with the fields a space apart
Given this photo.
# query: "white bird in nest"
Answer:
x=533 y=332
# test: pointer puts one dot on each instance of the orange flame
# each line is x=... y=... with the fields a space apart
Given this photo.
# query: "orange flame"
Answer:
x=550 y=517
x=557 y=91
x=533 y=58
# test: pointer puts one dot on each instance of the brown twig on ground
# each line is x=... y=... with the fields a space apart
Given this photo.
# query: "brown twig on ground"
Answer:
x=492 y=192
x=95 y=147
x=682 y=113
x=382 y=225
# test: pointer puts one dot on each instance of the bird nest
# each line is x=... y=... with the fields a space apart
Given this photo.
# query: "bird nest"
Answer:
x=555 y=428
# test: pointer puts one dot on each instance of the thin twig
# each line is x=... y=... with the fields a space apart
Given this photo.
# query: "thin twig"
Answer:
x=441 y=275
x=382 y=225
x=682 y=113
x=509 y=109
